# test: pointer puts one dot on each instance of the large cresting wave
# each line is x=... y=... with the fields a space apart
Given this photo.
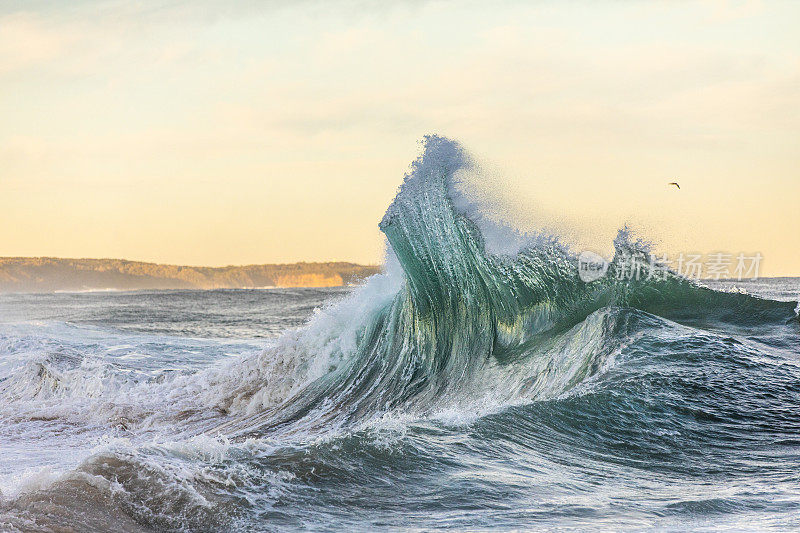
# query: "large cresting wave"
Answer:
x=452 y=324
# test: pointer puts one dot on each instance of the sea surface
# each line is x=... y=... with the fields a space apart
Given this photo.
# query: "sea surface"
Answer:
x=470 y=386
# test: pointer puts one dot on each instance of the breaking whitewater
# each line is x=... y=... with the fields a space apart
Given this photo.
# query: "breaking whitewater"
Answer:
x=476 y=383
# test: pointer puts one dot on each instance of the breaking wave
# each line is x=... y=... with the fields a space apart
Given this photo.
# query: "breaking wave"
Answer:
x=468 y=321
x=452 y=324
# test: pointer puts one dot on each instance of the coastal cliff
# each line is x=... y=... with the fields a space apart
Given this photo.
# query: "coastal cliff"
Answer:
x=47 y=274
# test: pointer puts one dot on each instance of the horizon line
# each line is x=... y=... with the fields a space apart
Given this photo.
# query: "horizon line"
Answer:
x=338 y=261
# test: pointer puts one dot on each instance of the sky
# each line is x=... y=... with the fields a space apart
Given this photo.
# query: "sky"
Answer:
x=206 y=133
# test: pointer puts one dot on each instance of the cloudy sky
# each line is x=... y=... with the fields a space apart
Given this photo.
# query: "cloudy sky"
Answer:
x=200 y=133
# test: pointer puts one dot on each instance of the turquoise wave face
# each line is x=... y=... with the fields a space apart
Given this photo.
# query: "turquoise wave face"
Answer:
x=466 y=324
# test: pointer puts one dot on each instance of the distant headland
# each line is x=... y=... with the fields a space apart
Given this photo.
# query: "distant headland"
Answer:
x=49 y=274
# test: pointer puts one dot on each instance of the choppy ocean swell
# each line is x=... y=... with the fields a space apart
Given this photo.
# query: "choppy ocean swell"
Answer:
x=476 y=383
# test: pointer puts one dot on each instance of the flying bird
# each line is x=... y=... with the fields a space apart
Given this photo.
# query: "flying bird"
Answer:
x=674 y=183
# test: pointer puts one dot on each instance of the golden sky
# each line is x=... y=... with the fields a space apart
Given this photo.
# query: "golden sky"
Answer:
x=200 y=133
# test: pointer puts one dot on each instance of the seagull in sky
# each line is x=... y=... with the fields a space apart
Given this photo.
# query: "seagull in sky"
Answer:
x=675 y=183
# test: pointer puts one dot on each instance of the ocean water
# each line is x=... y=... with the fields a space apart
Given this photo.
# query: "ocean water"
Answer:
x=476 y=384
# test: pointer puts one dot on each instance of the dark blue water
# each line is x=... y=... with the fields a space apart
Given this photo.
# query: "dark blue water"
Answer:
x=681 y=428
